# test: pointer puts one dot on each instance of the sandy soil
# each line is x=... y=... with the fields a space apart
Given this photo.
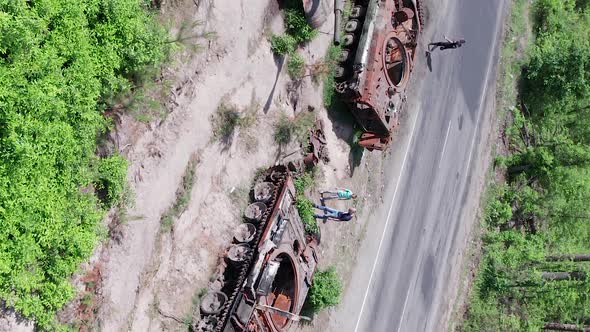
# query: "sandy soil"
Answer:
x=12 y=322
x=150 y=277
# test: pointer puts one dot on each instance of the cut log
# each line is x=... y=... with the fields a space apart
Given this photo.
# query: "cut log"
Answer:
x=569 y=257
x=566 y=327
x=556 y=276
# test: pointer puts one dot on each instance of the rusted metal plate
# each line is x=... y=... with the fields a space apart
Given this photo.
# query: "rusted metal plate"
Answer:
x=374 y=83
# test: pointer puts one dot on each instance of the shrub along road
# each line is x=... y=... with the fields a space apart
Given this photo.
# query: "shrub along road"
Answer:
x=405 y=265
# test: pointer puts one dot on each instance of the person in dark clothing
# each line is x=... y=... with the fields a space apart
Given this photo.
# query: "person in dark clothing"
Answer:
x=446 y=45
x=334 y=214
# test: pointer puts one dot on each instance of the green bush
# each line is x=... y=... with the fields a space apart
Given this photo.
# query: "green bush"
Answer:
x=303 y=182
x=297 y=30
x=297 y=26
x=331 y=59
x=283 y=130
x=283 y=44
x=296 y=66
x=183 y=195
x=111 y=179
x=228 y=117
x=325 y=291
x=559 y=60
x=225 y=120
x=306 y=212
x=298 y=128
x=498 y=212
x=61 y=64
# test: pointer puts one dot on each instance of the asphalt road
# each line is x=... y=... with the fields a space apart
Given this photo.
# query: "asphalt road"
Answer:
x=401 y=279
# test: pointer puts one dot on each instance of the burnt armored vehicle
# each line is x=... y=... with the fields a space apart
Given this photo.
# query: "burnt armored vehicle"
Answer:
x=378 y=51
x=263 y=280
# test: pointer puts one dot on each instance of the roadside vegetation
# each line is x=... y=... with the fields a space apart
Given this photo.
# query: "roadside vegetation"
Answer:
x=306 y=212
x=286 y=129
x=297 y=32
x=228 y=117
x=534 y=271
x=325 y=291
x=296 y=66
x=304 y=205
x=63 y=64
x=331 y=60
x=183 y=195
x=282 y=44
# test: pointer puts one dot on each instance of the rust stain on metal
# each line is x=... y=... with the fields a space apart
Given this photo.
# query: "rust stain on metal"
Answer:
x=318 y=149
x=378 y=58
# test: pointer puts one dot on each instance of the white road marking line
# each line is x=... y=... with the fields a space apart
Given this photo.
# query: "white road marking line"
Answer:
x=387 y=221
x=404 y=309
x=444 y=145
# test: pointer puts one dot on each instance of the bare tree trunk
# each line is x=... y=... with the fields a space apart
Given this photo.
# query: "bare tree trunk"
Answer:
x=569 y=257
x=556 y=276
x=566 y=327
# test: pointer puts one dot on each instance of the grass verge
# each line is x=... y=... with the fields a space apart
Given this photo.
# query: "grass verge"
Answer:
x=287 y=129
x=482 y=313
x=183 y=194
x=228 y=117
x=296 y=66
x=304 y=205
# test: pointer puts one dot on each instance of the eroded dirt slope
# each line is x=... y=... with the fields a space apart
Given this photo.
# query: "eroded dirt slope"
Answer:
x=151 y=277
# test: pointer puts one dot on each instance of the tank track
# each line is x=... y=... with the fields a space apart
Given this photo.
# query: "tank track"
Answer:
x=232 y=287
x=420 y=10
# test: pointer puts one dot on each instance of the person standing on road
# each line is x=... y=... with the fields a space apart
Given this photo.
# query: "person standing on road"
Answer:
x=445 y=45
x=330 y=213
x=339 y=193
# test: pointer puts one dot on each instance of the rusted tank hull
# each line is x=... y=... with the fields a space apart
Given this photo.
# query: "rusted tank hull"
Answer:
x=379 y=47
x=272 y=271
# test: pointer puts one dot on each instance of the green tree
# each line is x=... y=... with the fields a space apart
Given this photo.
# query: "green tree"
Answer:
x=61 y=65
x=111 y=178
x=519 y=287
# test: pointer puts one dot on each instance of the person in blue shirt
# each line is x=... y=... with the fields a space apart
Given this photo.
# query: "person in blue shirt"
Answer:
x=339 y=193
x=330 y=213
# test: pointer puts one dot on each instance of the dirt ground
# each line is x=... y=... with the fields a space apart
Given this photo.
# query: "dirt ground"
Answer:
x=12 y=322
x=150 y=277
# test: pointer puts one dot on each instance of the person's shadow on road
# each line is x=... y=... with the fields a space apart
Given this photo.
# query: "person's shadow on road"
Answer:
x=429 y=61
